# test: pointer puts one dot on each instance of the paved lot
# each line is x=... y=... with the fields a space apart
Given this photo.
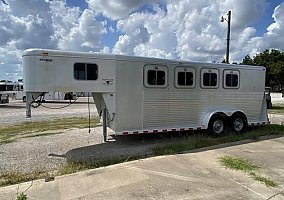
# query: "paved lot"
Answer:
x=187 y=176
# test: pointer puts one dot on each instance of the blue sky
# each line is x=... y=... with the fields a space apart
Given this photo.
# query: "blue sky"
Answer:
x=172 y=29
x=262 y=23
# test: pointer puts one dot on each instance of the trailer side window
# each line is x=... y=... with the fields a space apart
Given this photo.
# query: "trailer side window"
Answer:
x=184 y=77
x=85 y=71
x=155 y=76
x=231 y=79
x=209 y=78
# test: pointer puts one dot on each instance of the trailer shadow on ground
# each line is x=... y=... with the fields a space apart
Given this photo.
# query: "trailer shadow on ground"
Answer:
x=138 y=146
x=11 y=106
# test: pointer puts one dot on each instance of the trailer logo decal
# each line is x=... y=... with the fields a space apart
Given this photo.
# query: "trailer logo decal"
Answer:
x=46 y=60
x=108 y=81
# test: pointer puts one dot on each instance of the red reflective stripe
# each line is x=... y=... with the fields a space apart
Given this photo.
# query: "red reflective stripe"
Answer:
x=155 y=131
x=145 y=131
x=125 y=133
x=165 y=130
x=173 y=129
x=182 y=129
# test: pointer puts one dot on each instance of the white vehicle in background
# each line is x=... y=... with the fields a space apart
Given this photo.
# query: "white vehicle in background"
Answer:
x=8 y=89
x=148 y=95
x=50 y=96
x=53 y=96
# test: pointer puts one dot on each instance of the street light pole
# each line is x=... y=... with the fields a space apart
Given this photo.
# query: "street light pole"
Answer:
x=228 y=34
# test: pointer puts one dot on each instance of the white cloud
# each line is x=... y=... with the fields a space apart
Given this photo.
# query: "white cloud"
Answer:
x=25 y=31
x=10 y=63
x=146 y=35
x=192 y=30
x=273 y=38
x=105 y=50
x=21 y=28
x=244 y=12
x=116 y=9
x=85 y=35
x=184 y=29
x=44 y=24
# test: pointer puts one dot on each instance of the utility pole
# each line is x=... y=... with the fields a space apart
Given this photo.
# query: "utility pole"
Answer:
x=228 y=34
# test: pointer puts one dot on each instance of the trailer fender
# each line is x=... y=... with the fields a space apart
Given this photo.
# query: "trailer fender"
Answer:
x=208 y=115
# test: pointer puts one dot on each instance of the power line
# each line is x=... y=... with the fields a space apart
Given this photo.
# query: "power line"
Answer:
x=214 y=42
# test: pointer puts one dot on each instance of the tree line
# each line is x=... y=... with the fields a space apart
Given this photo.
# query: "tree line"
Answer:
x=273 y=61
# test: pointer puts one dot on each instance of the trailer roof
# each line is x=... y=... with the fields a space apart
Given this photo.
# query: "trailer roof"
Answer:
x=59 y=53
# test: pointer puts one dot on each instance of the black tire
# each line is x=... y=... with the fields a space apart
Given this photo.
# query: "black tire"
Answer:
x=217 y=125
x=238 y=123
x=24 y=99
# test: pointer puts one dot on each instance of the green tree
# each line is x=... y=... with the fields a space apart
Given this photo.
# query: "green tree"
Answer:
x=247 y=61
x=273 y=60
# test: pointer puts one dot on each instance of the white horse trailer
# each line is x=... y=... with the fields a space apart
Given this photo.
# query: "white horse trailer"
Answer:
x=150 y=95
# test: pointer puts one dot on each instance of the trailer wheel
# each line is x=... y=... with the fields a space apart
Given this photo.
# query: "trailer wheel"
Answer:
x=217 y=125
x=24 y=98
x=238 y=123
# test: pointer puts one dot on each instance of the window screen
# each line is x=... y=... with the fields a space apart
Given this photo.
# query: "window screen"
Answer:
x=209 y=79
x=231 y=79
x=92 y=71
x=185 y=78
x=156 y=77
x=85 y=71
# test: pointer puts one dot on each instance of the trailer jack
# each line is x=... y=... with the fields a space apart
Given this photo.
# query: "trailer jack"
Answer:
x=105 y=124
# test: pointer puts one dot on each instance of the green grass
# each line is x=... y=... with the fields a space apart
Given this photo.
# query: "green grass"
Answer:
x=248 y=167
x=11 y=178
x=200 y=141
x=238 y=164
x=22 y=196
x=42 y=134
x=38 y=128
x=73 y=167
x=277 y=109
x=265 y=180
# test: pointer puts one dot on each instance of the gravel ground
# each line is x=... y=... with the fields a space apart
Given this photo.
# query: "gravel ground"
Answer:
x=15 y=111
x=51 y=152
x=44 y=153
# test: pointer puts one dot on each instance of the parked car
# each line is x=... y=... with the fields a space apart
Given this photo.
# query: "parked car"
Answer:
x=268 y=97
